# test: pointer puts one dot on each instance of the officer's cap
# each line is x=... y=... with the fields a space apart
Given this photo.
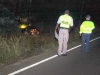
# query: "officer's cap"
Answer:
x=88 y=16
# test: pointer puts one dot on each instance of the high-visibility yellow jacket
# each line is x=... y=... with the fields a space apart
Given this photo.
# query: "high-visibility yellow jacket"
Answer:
x=65 y=21
x=87 y=27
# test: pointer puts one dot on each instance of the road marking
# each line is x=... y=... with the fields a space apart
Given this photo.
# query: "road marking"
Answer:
x=23 y=69
x=80 y=45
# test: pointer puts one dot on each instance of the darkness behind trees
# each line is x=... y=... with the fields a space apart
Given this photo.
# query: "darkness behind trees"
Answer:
x=47 y=11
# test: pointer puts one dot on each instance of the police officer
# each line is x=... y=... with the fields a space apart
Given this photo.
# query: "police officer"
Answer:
x=65 y=21
x=85 y=31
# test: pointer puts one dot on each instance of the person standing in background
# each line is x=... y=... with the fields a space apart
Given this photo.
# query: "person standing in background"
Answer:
x=85 y=31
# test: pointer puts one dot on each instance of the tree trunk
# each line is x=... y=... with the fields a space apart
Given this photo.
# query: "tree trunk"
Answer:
x=19 y=5
x=30 y=1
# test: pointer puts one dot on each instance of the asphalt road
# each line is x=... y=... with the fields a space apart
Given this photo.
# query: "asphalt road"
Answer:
x=75 y=63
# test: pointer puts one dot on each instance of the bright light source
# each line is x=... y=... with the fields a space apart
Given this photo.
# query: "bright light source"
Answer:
x=22 y=26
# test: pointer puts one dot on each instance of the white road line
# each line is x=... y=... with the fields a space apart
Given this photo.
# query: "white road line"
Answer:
x=23 y=69
x=80 y=45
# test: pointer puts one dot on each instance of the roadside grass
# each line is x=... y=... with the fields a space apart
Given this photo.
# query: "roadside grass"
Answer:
x=74 y=36
x=14 y=47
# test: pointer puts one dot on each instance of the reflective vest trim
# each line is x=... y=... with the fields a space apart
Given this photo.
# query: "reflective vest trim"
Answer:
x=86 y=28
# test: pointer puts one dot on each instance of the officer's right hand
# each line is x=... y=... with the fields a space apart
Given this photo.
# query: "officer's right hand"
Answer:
x=80 y=34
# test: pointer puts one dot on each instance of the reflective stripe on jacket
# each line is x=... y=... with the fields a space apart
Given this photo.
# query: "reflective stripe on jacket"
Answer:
x=65 y=21
x=87 y=27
